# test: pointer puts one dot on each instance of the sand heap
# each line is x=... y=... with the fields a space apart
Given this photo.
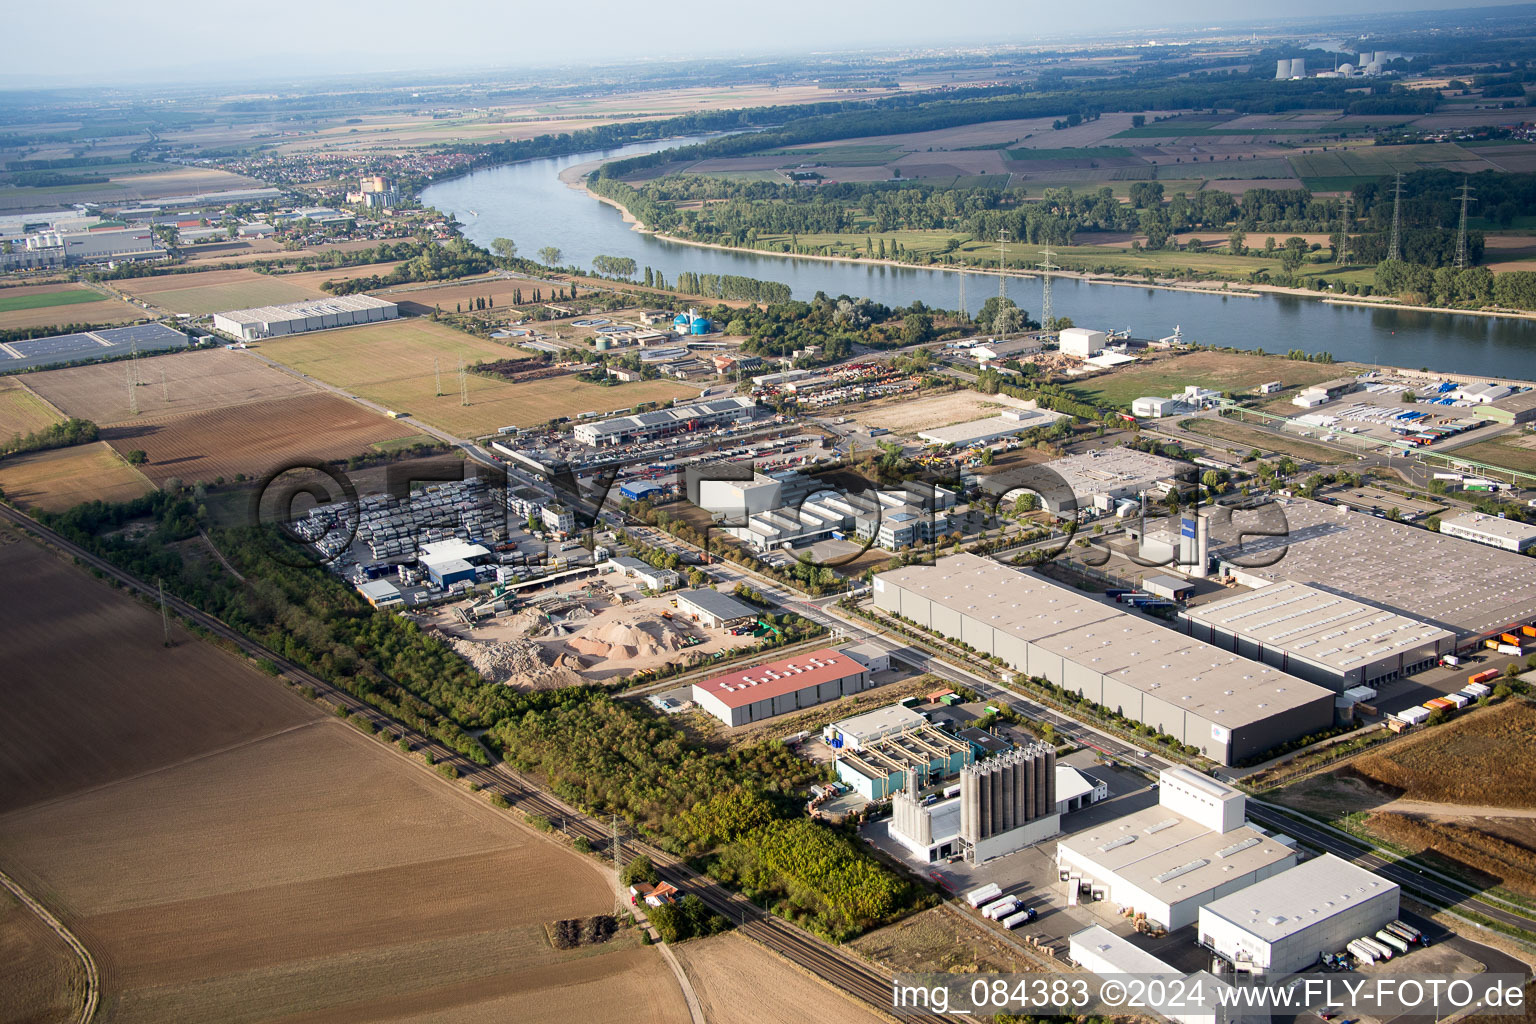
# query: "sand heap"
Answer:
x=520 y=663
x=628 y=639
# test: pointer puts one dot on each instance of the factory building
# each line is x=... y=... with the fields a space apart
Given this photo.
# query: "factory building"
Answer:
x=557 y=519
x=1504 y=534
x=299 y=317
x=714 y=609
x=1516 y=409
x=71 y=248
x=381 y=594
x=1109 y=474
x=647 y=576
x=861 y=730
x=447 y=561
x=1227 y=707
x=1077 y=789
x=1285 y=922
x=1081 y=342
x=648 y=426
x=1008 y=802
x=1471 y=589
x=779 y=687
x=1152 y=407
x=1168 y=861
x=1324 y=638
x=1102 y=952
x=921 y=755
x=454 y=570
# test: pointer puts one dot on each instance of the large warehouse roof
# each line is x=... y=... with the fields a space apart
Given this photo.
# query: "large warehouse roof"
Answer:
x=760 y=682
x=1298 y=897
x=1180 y=670
x=722 y=606
x=302 y=310
x=1171 y=857
x=1456 y=584
x=1321 y=627
x=1493 y=527
x=1114 y=469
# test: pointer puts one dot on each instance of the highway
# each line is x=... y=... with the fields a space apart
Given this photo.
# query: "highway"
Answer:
x=839 y=969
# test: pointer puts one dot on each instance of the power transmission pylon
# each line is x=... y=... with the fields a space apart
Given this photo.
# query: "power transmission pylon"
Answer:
x=437 y=375
x=463 y=385
x=1346 y=203
x=1395 y=250
x=1002 y=264
x=964 y=313
x=1046 y=266
x=165 y=389
x=165 y=619
x=133 y=397
x=1461 y=233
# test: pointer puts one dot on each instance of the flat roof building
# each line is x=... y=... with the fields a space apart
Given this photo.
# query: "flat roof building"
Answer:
x=1325 y=638
x=856 y=732
x=1286 y=921
x=657 y=580
x=1005 y=424
x=1505 y=534
x=713 y=608
x=646 y=426
x=1167 y=863
x=299 y=317
x=381 y=593
x=1112 y=472
x=1470 y=589
x=1226 y=707
x=880 y=768
x=779 y=687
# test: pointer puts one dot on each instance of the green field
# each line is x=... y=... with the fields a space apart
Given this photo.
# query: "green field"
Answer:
x=1504 y=451
x=42 y=300
x=392 y=363
x=1070 y=153
x=1343 y=169
x=1221 y=371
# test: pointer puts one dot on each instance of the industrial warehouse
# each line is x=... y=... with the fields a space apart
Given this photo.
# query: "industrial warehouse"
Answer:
x=1287 y=921
x=1470 y=589
x=1168 y=861
x=647 y=426
x=299 y=317
x=1227 y=707
x=779 y=687
x=1323 y=638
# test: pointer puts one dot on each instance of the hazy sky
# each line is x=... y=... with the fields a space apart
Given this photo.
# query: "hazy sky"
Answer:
x=97 y=40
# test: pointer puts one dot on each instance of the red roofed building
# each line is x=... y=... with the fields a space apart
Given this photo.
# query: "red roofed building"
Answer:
x=779 y=687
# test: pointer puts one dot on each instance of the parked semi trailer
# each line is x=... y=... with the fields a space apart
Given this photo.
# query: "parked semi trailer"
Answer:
x=986 y=894
x=1399 y=944
x=1381 y=949
x=1000 y=909
x=1362 y=952
x=1408 y=932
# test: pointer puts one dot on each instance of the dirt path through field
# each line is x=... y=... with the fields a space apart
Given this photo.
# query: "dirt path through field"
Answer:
x=1454 y=810
x=87 y=962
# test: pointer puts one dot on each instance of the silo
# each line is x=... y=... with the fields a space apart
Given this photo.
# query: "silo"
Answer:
x=1299 y=67
x=1282 y=69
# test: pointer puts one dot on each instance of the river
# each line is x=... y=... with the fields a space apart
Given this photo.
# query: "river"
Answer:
x=529 y=204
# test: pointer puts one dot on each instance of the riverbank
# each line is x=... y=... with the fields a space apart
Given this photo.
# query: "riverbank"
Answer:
x=1223 y=289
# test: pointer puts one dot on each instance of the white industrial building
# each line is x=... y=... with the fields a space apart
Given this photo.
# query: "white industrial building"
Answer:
x=298 y=317
x=857 y=732
x=1227 y=707
x=1506 y=534
x=1324 y=638
x=763 y=691
x=1100 y=951
x=648 y=426
x=1152 y=407
x=1112 y=473
x=1081 y=342
x=1007 y=423
x=1285 y=922
x=1482 y=393
x=1168 y=861
x=1076 y=789
x=647 y=576
x=713 y=609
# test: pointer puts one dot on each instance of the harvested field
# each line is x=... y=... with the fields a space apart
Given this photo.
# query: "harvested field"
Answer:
x=1514 y=451
x=47 y=305
x=21 y=411
x=214 y=291
x=101 y=698
x=64 y=477
x=1267 y=441
x=39 y=974
x=1493 y=749
x=419 y=299
x=740 y=982
x=1489 y=859
x=391 y=363
x=254 y=438
x=939 y=411
x=172 y=384
x=942 y=941
x=1221 y=371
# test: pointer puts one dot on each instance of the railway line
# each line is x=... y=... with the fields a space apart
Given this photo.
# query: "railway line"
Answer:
x=856 y=978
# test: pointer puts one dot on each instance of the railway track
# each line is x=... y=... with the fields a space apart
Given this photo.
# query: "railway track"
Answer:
x=855 y=977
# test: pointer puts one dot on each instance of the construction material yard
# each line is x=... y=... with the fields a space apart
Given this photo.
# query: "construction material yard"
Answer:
x=399 y=364
x=228 y=853
x=254 y=439
x=64 y=477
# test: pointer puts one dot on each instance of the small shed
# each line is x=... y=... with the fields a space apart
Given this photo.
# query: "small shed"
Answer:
x=1171 y=587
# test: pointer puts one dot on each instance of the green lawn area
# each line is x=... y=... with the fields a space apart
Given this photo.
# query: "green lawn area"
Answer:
x=42 y=300
x=398 y=443
x=1070 y=153
x=1222 y=371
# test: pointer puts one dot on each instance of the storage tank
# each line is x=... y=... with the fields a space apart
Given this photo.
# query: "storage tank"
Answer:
x=700 y=325
x=1282 y=70
x=1299 y=67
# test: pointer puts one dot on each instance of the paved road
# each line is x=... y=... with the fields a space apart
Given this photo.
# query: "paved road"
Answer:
x=854 y=976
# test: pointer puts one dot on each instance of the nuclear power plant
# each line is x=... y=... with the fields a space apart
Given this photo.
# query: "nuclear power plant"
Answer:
x=1008 y=802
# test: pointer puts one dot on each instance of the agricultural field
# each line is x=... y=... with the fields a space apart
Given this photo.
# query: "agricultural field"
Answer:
x=1221 y=371
x=1344 y=168
x=1513 y=451
x=391 y=363
x=255 y=438
x=172 y=384
x=21 y=411
x=47 y=305
x=740 y=982
x=1246 y=436
x=1494 y=751
x=939 y=940
x=64 y=477
x=229 y=854
x=214 y=291
x=420 y=299
x=39 y=974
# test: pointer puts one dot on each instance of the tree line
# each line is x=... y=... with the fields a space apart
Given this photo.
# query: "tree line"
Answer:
x=72 y=431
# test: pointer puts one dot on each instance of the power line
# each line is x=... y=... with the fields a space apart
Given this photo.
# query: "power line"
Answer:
x=437 y=375
x=1346 y=204
x=1002 y=264
x=1461 y=233
x=1046 y=266
x=463 y=385
x=1395 y=250
x=963 y=311
x=133 y=398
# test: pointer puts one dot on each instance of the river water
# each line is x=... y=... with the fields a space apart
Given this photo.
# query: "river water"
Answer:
x=527 y=203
